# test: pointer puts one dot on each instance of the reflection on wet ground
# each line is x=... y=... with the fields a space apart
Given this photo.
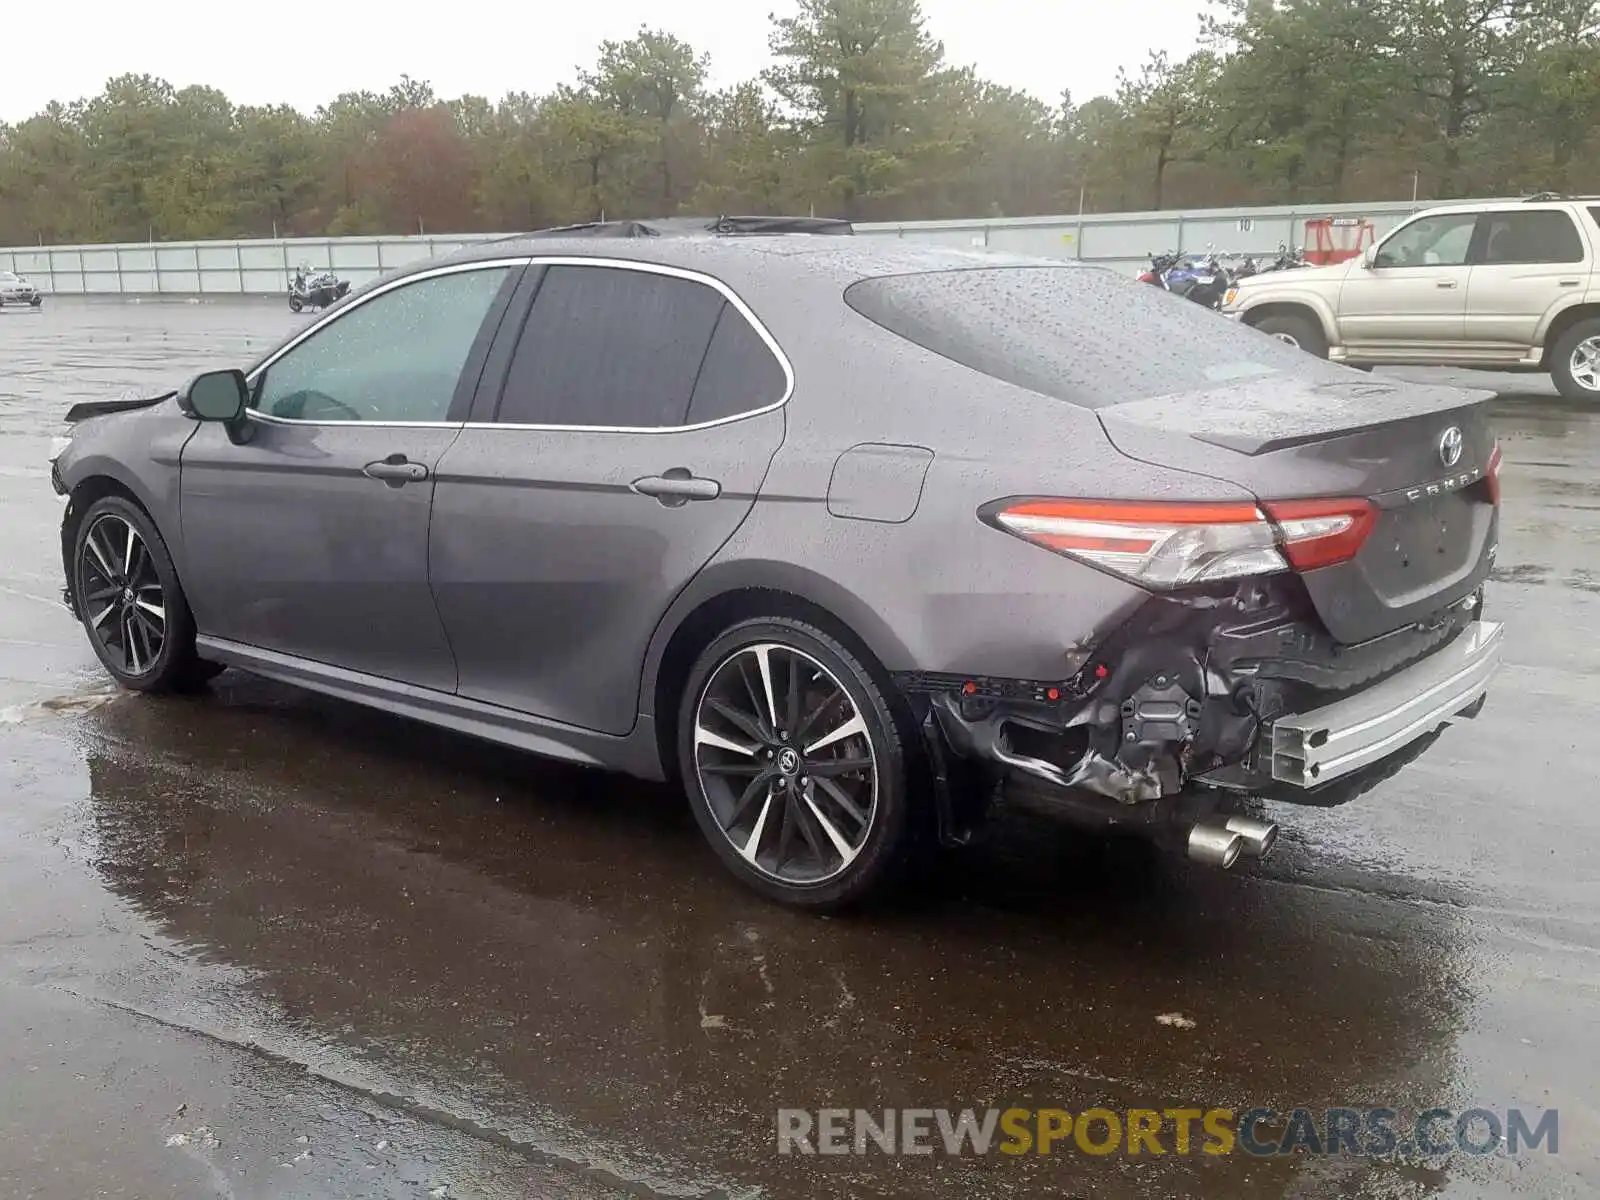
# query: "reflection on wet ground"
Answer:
x=265 y=944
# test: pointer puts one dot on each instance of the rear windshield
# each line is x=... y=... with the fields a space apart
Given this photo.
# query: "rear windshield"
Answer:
x=1081 y=334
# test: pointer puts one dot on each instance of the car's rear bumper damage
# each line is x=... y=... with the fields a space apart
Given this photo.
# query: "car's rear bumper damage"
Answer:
x=1339 y=739
x=1207 y=697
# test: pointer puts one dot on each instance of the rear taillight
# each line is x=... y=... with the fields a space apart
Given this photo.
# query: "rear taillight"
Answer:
x=1320 y=533
x=1162 y=545
x=1491 y=475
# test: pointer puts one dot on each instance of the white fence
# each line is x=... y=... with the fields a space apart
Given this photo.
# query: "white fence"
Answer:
x=262 y=267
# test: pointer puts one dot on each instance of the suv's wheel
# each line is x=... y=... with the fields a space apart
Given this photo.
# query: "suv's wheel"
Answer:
x=1575 y=361
x=1303 y=332
x=794 y=764
x=130 y=602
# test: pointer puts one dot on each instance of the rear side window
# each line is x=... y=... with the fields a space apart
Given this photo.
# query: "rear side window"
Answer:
x=740 y=373
x=1545 y=235
x=1080 y=334
x=610 y=346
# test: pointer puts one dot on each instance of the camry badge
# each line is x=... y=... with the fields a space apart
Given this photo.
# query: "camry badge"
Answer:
x=1450 y=446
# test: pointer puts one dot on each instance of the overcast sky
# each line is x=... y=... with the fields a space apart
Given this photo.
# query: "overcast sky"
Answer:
x=306 y=53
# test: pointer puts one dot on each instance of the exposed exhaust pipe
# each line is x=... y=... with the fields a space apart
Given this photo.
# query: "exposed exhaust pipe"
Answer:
x=1215 y=845
x=1259 y=836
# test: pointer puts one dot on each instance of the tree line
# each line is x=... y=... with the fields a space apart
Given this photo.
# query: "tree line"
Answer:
x=861 y=116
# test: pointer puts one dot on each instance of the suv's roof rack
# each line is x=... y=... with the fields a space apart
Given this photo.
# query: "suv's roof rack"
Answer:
x=1543 y=197
x=697 y=226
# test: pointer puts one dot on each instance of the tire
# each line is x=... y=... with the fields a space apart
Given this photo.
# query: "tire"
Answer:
x=144 y=608
x=811 y=850
x=1303 y=332
x=1575 y=358
x=295 y=304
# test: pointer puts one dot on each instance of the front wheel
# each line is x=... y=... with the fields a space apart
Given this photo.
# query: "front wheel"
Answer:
x=1296 y=330
x=1575 y=361
x=127 y=594
x=794 y=764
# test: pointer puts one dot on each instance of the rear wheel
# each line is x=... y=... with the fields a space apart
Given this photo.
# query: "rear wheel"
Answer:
x=130 y=601
x=794 y=764
x=1575 y=361
x=1296 y=330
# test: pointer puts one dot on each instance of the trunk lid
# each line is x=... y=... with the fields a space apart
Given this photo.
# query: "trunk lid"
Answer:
x=1387 y=441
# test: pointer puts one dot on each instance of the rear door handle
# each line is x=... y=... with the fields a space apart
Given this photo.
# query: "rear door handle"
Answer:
x=1571 y=282
x=1447 y=283
x=396 y=470
x=677 y=486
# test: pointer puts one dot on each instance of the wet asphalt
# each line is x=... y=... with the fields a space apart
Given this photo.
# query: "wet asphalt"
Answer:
x=255 y=943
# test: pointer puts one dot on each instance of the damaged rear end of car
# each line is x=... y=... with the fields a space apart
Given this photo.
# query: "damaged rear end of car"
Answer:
x=1299 y=641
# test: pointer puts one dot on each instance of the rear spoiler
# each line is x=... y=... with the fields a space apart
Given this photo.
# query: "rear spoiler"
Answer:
x=101 y=408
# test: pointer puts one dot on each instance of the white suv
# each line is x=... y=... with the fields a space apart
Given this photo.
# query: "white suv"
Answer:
x=1506 y=287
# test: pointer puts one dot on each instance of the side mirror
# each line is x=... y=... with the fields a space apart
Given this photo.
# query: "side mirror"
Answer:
x=216 y=396
x=1369 y=257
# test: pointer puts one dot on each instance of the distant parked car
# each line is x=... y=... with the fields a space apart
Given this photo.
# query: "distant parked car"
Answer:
x=1508 y=287
x=17 y=291
x=840 y=533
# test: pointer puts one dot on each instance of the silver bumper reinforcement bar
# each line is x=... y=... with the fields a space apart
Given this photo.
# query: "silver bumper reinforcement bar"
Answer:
x=1313 y=748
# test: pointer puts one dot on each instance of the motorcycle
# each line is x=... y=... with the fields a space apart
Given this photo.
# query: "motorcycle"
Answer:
x=1160 y=264
x=1290 y=258
x=1203 y=280
x=315 y=290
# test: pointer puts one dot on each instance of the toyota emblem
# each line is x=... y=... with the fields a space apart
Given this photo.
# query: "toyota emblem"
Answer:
x=1450 y=446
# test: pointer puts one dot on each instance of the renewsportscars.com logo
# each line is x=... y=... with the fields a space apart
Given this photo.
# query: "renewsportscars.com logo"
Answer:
x=1258 y=1132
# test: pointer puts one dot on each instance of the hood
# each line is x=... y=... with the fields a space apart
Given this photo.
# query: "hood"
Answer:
x=1294 y=278
x=89 y=409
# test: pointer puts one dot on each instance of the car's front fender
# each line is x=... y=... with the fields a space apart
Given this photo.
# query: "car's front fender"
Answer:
x=1251 y=305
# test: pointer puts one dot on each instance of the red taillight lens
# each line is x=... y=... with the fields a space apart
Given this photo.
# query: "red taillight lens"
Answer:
x=1161 y=544
x=1147 y=277
x=1320 y=533
x=1491 y=475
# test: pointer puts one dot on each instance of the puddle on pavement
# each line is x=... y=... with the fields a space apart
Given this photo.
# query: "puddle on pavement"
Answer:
x=74 y=705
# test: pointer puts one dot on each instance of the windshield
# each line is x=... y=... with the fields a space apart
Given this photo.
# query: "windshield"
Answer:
x=1084 y=335
x=10 y=277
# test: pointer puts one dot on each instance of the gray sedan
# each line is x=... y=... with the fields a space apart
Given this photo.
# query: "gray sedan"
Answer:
x=848 y=537
x=18 y=292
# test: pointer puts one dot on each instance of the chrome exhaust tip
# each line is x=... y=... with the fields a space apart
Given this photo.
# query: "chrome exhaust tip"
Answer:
x=1215 y=845
x=1259 y=836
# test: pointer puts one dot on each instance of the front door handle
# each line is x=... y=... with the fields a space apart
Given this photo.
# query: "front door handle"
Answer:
x=396 y=470
x=1571 y=282
x=1447 y=283
x=677 y=486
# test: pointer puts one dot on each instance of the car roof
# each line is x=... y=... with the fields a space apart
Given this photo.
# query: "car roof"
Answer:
x=698 y=227
x=757 y=259
x=1499 y=206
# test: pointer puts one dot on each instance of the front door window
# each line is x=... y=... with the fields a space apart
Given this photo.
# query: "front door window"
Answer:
x=394 y=358
x=1441 y=241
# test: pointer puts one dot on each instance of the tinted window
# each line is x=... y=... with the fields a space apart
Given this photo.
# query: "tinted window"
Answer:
x=396 y=357
x=1082 y=334
x=610 y=346
x=1441 y=241
x=1543 y=236
x=740 y=373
